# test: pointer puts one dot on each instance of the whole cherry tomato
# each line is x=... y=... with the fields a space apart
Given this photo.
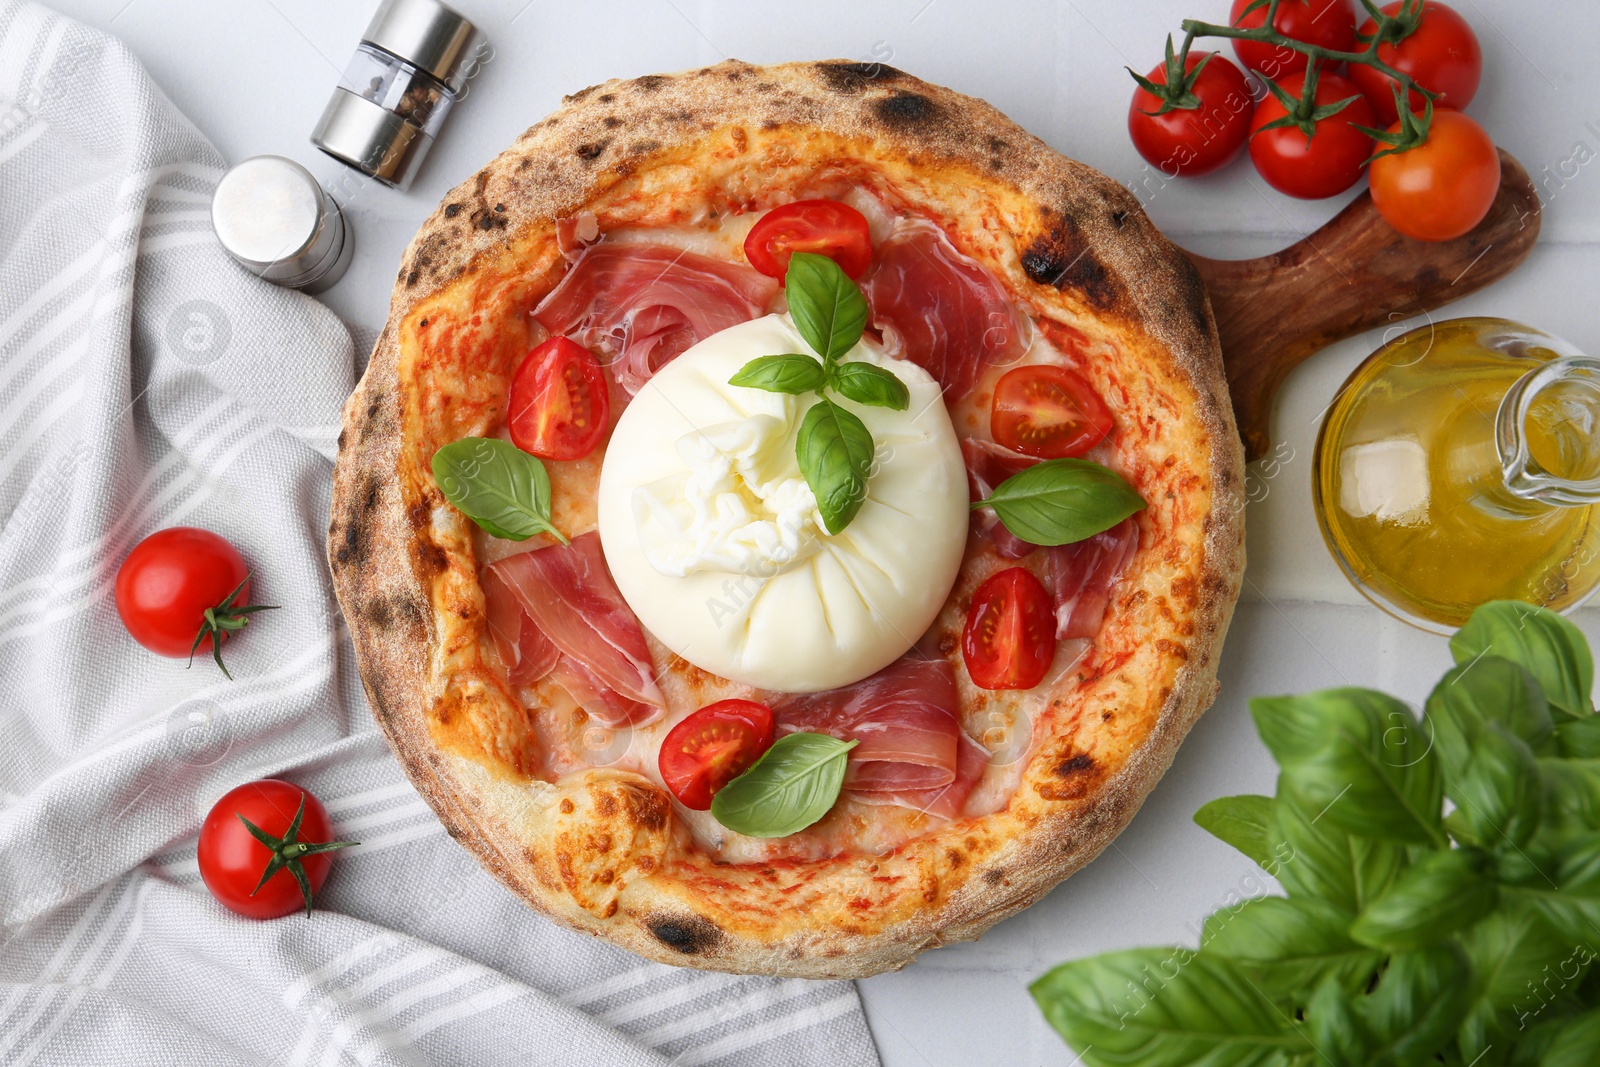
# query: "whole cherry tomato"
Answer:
x=184 y=590
x=1197 y=140
x=713 y=746
x=1330 y=161
x=1010 y=635
x=1440 y=53
x=1329 y=23
x=1047 y=411
x=825 y=227
x=560 y=405
x=264 y=849
x=1442 y=188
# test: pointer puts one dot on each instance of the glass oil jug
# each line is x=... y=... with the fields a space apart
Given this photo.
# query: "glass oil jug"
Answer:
x=1460 y=463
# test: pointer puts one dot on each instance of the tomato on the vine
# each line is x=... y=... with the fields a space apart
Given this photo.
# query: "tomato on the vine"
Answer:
x=713 y=746
x=1010 y=635
x=825 y=227
x=560 y=404
x=1438 y=51
x=1443 y=187
x=1328 y=23
x=1198 y=138
x=1047 y=411
x=1330 y=160
x=264 y=849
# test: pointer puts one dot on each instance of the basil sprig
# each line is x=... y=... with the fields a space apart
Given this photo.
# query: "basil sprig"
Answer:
x=1407 y=936
x=834 y=446
x=792 y=785
x=498 y=486
x=1061 y=501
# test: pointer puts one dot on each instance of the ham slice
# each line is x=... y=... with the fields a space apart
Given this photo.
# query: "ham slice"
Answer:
x=556 y=612
x=641 y=305
x=1082 y=576
x=989 y=464
x=940 y=309
x=912 y=749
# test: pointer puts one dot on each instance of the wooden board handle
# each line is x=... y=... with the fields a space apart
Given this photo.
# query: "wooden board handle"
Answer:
x=1355 y=273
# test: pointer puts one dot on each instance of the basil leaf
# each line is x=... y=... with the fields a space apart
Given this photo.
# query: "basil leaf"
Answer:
x=1579 y=738
x=827 y=307
x=1419 y=1004
x=1574 y=1044
x=1440 y=894
x=791 y=373
x=792 y=785
x=1509 y=949
x=1241 y=822
x=1572 y=906
x=1165 y=1008
x=873 y=386
x=1547 y=644
x=1321 y=860
x=1488 y=689
x=1061 y=501
x=1291 y=944
x=1499 y=793
x=498 y=486
x=835 y=453
x=1336 y=1031
x=1571 y=798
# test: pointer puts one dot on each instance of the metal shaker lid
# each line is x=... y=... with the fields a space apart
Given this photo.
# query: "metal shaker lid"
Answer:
x=371 y=138
x=272 y=217
x=426 y=34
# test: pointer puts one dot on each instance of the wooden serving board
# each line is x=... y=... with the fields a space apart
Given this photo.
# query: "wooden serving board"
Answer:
x=1355 y=273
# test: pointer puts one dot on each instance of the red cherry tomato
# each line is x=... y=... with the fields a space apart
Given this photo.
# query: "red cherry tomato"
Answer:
x=1193 y=141
x=1329 y=23
x=171 y=579
x=825 y=227
x=1442 y=56
x=1443 y=187
x=560 y=405
x=712 y=747
x=1331 y=162
x=1010 y=636
x=232 y=859
x=1047 y=411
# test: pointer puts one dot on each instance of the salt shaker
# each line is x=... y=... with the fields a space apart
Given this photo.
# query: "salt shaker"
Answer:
x=273 y=218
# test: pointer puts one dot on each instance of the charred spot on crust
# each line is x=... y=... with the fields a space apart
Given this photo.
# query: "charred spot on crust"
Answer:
x=639 y=148
x=649 y=83
x=1061 y=259
x=648 y=807
x=412 y=277
x=994 y=876
x=853 y=77
x=452 y=210
x=691 y=935
x=606 y=98
x=1118 y=217
x=1072 y=777
x=579 y=95
x=611 y=122
x=1073 y=765
x=593 y=149
x=906 y=111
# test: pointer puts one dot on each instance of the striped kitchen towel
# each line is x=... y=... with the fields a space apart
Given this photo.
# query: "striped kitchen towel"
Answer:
x=145 y=382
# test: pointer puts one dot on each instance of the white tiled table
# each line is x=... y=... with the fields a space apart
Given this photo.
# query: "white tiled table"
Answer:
x=254 y=74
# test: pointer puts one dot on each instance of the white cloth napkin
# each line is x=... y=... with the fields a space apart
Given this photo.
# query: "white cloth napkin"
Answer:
x=146 y=381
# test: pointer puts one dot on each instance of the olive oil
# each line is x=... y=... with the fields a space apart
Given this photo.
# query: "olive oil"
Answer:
x=1435 y=500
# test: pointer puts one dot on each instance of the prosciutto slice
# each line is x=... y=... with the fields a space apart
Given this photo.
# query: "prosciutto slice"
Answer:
x=940 y=309
x=912 y=749
x=641 y=305
x=1082 y=576
x=989 y=464
x=565 y=618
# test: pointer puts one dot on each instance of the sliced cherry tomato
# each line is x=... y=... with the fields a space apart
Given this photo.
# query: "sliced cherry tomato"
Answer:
x=1329 y=23
x=1442 y=188
x=1331 y=161
x=1190 y=141
x=1047 y=411
x=560 y=404
x=1442 y=55
x=1010 y=636
x=825 y=227
x=233 y=859
x=712 y=747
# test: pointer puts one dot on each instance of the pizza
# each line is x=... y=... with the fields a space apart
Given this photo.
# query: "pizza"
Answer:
x=761 y=689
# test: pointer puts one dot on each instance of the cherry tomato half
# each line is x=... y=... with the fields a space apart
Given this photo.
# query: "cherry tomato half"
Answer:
x=1442 y=56
x=1010 y=636
x=825 y=227
x=560 y=403
x=713 y=746
x=232 y=859
x=1187 y=142
x=1329 y=23
x=171 y=579
x=1331 y=161
x=1442 y=188
x=1047 y=411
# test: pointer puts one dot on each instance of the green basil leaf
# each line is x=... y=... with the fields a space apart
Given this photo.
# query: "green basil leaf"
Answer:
x=1574 y=1045
x=827 y=307
x=1419 y=1004
x=1440 y=894
x=1336 y=1030
x=1291 y=944
x=835 y=452
x=1579 y=738
x=1319 y=859
x=1165 y=1008
x=792 y=373
x=1061 y=501
x=870 y=385
x=1512 y=950
x=792 y=785
x=1572 y=905
x=498 y=486
x=1241 y=822
x=1571 y=797
x=1488 y=689
x=1499 y=794
x=1357 y=756
x=1547 y=644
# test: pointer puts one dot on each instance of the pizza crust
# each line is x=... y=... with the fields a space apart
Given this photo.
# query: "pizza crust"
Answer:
x=599 y=851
